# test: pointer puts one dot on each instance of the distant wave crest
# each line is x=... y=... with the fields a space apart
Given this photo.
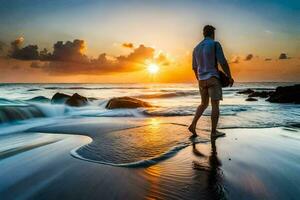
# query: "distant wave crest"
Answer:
x=168 y=94
x=91 y=88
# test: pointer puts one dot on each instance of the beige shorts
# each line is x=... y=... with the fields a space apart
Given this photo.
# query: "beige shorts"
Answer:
x=210 y=88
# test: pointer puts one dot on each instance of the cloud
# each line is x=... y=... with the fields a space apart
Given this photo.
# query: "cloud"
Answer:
x=36 y=65
x=68 y=58
x=17 y=43
x=3 y=49
x=128 y=45
x=235 y=59
x=29 y=52
x=69 y=51
x=283 y=56
x=162 y=59
x=103 y=64
x=248 y=57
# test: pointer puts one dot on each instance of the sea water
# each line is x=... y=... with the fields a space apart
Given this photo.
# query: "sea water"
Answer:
x=26 y=105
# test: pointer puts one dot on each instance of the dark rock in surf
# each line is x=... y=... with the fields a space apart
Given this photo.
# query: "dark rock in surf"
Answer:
x=126 y=102
x=247 y=91
x=262 y=94
x=77 y=100
x=59 y=98
x=92 y=98
x=251 y=99
x=12 y=113
x=287 y=94
x=40 y=99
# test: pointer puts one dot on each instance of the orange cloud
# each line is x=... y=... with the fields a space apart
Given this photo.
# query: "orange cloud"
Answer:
x=128 y=45
x=69 y=64
x=68 y=58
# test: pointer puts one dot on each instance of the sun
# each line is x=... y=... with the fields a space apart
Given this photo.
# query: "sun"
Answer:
x=153 y=68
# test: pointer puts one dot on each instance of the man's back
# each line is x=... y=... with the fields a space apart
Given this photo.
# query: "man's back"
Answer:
x=204 y=58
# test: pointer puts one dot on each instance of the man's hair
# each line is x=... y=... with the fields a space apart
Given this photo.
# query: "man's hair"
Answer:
x=208 y=30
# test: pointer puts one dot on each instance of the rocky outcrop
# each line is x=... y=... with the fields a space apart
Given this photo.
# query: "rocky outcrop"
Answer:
x=247 y=91
x=126 y=102
x=74 y=100
x=251 y=99
x=59 y=98
x=262 y=94
x=287 y=94
x=77 y=100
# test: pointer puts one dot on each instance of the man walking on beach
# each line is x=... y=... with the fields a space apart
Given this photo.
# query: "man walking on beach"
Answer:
x=206 y=56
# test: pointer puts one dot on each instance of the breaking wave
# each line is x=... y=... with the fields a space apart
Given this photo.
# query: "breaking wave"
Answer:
x=127 y=148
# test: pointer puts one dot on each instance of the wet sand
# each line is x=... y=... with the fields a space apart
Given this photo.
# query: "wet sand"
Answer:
x=246 y=164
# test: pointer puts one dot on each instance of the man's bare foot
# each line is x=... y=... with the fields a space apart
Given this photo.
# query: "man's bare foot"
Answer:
x=216 y=134
x=192 y=129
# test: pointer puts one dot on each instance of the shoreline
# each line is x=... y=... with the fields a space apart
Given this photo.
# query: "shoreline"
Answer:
x=236 y=169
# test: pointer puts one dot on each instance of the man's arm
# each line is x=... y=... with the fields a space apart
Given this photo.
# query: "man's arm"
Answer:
x=223 y=62
x=226 y=69
x=194 y=65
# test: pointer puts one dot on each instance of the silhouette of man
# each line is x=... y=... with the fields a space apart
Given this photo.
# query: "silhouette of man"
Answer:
x=205 y=56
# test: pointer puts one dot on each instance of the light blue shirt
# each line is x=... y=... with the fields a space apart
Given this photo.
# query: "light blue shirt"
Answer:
x=204 y=58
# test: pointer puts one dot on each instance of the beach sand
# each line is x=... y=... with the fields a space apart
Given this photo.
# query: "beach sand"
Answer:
x=145 y=161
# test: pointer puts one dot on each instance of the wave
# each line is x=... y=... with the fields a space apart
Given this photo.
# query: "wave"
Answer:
x=92 y=88
x=129 y=148
x=163 y=93
x=7 y=102
x=13 y=113
x=168 y=95
x=39 y=99
x=26 y=147
x=190 y=110
x=34 y=89
x=20 y=112
x=142 y=163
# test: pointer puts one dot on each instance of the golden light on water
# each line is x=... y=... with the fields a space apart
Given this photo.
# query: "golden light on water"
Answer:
x=153 y=68
x=154 y=122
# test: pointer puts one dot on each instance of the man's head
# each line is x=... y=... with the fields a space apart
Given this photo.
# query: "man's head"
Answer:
x=209 y=31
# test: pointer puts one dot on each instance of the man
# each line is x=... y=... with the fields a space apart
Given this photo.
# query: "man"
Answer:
x=206 y=56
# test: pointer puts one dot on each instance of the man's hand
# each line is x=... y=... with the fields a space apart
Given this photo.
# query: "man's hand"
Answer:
x=231 y=81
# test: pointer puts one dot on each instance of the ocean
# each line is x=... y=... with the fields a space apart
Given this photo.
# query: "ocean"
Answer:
x=146 y=152
x=22 y=106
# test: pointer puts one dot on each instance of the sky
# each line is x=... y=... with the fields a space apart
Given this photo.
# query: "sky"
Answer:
x=117 y=41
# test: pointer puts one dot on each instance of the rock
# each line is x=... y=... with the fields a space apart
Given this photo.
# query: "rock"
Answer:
x=287 y=94
x=60 y=98
x=77 y=100
x=251 y=99
x=92 y=98
x=126 y=102
x=247 y=91
x=262 y=94
x=40 y=99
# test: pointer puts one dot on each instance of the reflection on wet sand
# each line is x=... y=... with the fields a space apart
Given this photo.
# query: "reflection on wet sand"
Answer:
x=194 y=173
x=210 y=164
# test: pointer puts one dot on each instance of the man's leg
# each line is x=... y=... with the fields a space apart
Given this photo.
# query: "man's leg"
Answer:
x=215 y=92
x=215 y=112
x=199 y=111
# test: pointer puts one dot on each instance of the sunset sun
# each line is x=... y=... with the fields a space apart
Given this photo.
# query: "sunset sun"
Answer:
x=153 y=68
